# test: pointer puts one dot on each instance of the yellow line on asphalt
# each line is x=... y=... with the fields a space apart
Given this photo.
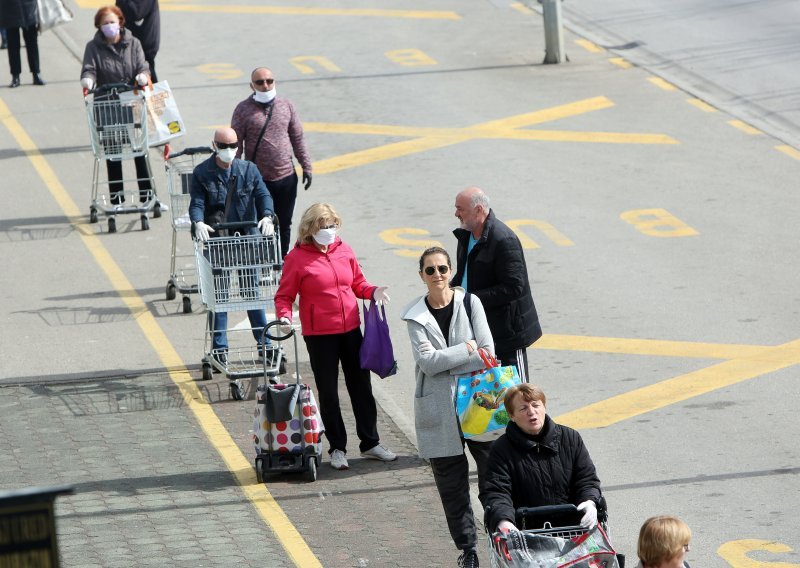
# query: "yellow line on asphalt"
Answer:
x=683 y=387
x=520 y=7
x=789 y=151
x=744 y=127
x=654 y=347
x=589 y=46
x=620 y=62
x=237 y=463
x=702 y=105
x=662 y=84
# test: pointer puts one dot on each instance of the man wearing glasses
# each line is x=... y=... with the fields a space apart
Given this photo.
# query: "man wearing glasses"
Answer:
x=270 y=133
x=490 y=264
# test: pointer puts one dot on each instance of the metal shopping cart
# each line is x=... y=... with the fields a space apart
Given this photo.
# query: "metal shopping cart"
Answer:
x=551 y=537
x=118 y=130
x=237 y=273
x=183 y=267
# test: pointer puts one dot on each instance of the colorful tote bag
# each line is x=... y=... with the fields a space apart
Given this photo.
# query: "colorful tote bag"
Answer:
x=479 y=398
x=301 y=428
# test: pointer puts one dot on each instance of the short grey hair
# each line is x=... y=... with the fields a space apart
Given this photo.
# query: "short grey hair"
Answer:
x=480 y=198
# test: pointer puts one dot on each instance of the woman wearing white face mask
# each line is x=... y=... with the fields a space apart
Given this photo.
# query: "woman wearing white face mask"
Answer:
x=322 y=271
x=115 y=56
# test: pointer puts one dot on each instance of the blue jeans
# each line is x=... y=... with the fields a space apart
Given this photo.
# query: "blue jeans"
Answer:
x=258 y=321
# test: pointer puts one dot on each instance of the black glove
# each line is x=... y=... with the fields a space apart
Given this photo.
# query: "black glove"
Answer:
x=306 y=179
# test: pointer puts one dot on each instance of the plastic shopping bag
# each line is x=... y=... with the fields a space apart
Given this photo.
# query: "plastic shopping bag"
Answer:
x=480 y=398
x=52 y=13
x=164 y=121
x=376 y=353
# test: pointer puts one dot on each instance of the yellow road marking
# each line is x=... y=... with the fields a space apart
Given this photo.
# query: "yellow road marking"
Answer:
x=589 y=46
x=237 y=463
x=294 y=11
x=789 y=151
x=520 y=7
x=620 y=62
x=702 y=105
x=744 y=127
x=662 y=84
x=683 y=387
x=735 y=553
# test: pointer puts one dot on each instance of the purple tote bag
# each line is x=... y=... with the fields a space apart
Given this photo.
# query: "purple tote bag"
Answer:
x=376 y=353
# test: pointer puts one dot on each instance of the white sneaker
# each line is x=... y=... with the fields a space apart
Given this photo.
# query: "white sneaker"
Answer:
x=338 y=460
x=379 y=452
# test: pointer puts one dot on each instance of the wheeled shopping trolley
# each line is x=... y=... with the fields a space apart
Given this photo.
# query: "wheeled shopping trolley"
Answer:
x=238 y=273
x=118 y=131
x=183 y=267
x=551 y=537
x=287 y=426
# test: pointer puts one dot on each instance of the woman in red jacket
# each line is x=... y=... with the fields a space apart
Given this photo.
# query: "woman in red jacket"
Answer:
x=323 y=272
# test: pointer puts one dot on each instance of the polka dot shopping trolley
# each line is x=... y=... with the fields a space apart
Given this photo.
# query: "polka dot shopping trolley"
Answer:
x=287 y=427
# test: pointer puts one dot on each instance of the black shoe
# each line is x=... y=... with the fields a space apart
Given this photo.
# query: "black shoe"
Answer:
x=14 y=82
x=468 y=559
x=37 y=79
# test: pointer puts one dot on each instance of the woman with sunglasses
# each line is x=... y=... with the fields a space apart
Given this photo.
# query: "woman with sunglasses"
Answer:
x=445 y=339
x=322 y=272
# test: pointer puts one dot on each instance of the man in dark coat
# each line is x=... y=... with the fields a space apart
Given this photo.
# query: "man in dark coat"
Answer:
x=490 y=264
x=16 y=15
x=536 y=463
x=143 y=19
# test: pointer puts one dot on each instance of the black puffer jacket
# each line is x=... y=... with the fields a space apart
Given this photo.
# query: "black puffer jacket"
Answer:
x=498 y=275
x=143 y=19
x=18 y=13
x=525 y=473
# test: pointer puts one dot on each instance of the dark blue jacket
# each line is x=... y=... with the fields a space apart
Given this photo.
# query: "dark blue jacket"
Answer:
x=252 y=201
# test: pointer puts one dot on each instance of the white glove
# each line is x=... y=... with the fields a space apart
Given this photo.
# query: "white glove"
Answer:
x=589 y=519
x=506 y=526
x=286 y=326
x=425 y=347
x=87 y=83
x=143 y=79
x=380 y=294
x=201 y=231
x=266 y=227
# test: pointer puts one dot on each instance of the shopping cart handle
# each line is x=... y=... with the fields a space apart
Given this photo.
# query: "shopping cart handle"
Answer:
x=109 y=87
x=276 y=323
x=555 y=515
x=238 y=225
x=193 y=151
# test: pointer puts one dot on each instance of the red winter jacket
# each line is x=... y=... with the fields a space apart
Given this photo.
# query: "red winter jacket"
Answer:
x=328 y=285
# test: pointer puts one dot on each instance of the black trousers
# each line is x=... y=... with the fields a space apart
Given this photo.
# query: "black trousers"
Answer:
x=284 y=195
x=31 y=46
x=513 y=358
x=452 y=481
x=151 y=62
x=115 y=184
x=325 y=353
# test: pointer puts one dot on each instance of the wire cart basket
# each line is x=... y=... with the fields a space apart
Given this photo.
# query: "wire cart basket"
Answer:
x=236 y=274
x=118 y=131
x=183 y=267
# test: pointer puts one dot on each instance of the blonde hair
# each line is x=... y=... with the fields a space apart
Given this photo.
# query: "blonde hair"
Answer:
x=661 y=539
x=313 y=219
x=527 y=391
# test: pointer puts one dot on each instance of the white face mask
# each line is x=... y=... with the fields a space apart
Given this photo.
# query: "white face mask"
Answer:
x=226 y=154
x=325 y=237
x=264 y=96
x=110 y=30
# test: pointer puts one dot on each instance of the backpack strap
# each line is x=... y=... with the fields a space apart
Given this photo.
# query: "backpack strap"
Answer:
x=468 y=306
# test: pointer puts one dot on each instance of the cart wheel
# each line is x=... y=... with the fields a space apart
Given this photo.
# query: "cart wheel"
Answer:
x=207 y=373
x=112 y=225
x=187 y=305
x=311 y=473
x=145 y=223
x=171 y=294
x=157 y=210
x=93 y=215
x=237 y=392
x=282 y=367
x=259 y=472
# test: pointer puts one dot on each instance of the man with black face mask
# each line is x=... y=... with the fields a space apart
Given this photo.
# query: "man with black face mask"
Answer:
x=212 y=179
x=270 y=133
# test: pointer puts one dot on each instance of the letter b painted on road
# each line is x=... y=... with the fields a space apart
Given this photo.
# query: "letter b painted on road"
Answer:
x=657 y=223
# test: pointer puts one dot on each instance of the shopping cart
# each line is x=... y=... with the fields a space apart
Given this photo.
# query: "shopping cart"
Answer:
x=237 y=273
x=183 y=268
x=118 y=131
x=551 y=537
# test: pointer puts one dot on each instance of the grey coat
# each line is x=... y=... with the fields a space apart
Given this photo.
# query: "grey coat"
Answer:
x=120 y=62
x=435 y=419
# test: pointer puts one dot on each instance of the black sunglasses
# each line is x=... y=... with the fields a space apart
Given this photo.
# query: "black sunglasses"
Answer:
x=261 y=82
x=443 y=269
x=224 y=145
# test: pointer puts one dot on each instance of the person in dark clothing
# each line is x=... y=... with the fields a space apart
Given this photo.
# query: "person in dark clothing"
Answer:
x=536 y=463
x=490 y=264
x=144 y=22
x=23 y=15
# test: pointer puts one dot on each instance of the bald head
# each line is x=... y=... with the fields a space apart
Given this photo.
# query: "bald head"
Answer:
x=258 y=71
x=225 y=135
x=472 y=209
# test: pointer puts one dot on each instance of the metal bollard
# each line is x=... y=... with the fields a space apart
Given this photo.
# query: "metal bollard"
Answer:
x=553 y=33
